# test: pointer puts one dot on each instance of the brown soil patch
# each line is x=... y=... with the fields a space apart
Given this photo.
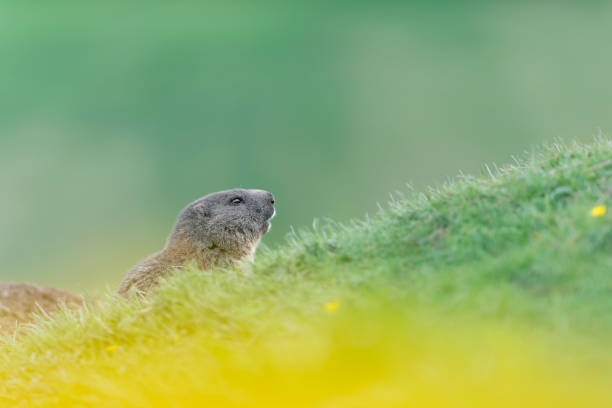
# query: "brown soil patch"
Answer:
x=19 y=300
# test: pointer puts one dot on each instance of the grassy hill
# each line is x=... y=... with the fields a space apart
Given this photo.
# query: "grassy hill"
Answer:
x=488 y=291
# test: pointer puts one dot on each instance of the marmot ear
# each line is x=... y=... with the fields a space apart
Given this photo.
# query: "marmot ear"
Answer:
x=199 y=208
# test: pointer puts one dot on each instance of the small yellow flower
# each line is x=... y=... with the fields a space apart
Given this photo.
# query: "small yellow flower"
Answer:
x=332 y=306
x=112 y=347
x=598 y=211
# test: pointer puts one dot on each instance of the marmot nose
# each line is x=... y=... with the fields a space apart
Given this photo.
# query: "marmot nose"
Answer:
x=271 y=198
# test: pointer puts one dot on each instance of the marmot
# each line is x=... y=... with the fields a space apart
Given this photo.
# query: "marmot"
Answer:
x=217 y=229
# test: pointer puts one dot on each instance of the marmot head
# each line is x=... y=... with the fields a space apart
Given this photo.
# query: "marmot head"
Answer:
x=231 y=221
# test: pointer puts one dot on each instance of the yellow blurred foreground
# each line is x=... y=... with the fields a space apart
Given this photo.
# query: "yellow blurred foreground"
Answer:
x=341 y=360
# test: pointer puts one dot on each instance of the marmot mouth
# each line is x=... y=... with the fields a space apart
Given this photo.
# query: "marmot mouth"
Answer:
x=268 y=224
x=273 y=214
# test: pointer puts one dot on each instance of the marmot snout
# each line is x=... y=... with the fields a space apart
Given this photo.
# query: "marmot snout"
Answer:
x=220 y=228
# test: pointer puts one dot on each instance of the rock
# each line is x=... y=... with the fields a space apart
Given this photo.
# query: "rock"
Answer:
x=18 y=301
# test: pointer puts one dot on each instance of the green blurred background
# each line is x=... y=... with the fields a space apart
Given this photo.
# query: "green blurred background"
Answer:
x=114 y=115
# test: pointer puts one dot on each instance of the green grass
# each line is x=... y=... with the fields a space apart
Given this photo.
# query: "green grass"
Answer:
x=328 y=106
x=492 y=290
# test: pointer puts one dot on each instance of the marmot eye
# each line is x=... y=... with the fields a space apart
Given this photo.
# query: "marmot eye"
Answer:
x=237 y=200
